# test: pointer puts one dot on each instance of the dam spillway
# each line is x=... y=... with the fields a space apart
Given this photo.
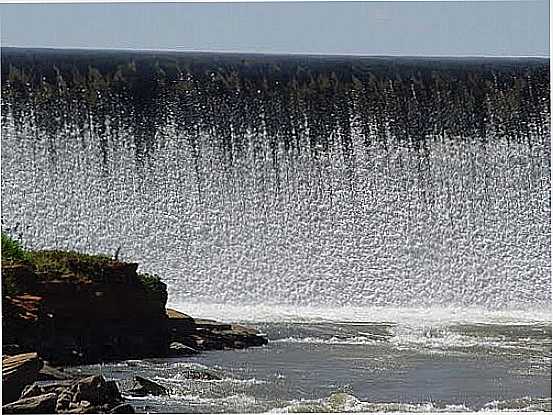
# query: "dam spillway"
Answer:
x=292 y=181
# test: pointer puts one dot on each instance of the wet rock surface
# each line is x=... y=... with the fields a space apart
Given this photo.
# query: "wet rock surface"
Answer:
x=202 y=334
x=177 y=349
x=144 y=387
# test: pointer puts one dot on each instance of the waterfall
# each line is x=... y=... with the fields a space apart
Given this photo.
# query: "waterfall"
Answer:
x=409 y=185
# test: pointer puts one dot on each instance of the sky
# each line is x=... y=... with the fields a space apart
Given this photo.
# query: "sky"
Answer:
x=415 y=28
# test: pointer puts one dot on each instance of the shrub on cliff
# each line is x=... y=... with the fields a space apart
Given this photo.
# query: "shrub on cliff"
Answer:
x=156 y=289
x=12 y=249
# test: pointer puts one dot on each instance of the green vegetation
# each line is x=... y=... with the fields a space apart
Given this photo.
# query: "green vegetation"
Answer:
x=156 y=289
x=69 y=262
x=150 y=281
x=12 y=249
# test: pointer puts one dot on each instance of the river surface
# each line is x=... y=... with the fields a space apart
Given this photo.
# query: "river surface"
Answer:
x=385 y=221
x=503 y=362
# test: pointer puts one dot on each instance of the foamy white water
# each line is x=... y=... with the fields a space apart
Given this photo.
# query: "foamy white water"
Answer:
x=405 y=315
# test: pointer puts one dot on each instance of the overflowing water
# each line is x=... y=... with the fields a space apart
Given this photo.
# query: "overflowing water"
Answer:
x=295 y=191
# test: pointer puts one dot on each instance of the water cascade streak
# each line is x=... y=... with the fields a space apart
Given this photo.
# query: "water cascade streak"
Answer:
x=251 y=182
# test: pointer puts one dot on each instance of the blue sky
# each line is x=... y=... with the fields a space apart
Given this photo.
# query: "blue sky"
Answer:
x=434 y=28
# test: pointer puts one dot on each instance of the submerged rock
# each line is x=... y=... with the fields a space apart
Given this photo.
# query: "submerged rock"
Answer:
x=147 y=387
x=179 y=349
x=124 y=408
x=197 y=374
x=96 y=390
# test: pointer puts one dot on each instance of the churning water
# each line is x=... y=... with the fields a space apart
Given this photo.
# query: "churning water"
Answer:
x=285 y=189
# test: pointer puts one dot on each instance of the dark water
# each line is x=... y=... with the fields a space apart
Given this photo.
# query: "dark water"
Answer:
x=408 y=197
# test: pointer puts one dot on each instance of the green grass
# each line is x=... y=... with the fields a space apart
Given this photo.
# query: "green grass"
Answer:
x=12 y=250
x=68 y=262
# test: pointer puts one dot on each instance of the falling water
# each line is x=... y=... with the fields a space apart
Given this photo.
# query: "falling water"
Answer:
x=288 y=181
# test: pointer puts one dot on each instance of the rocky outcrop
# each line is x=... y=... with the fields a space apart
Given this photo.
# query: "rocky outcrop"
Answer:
x=202 y=334
x=217 y=336
x=92 y=311
x=77 y=309
x=177 y=349
x=50 y=373
x=41 y=404
x=23 y=392
x=92 y=394
x=18 y=372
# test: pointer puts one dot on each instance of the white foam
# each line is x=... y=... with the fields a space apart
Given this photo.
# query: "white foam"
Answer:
x=183 y=377
x=356 y=340
x=524 y=404
x=343 y=402
x=403 y=315
x=472 y=228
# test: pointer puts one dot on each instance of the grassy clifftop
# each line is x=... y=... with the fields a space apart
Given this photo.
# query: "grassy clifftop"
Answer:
x=56 y=264
x=74 y=308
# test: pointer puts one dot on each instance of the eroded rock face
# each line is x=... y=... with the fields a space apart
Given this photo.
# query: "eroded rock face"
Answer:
x=91 y=311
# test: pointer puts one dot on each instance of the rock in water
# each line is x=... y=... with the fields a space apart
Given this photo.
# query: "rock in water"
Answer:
x=147 y=387
x=96 y=390
x=177 y=315
x=201 y=375
x=49 y=373
x=124 y=408
x=179 y=349
x=42 y=404
x=17 y=372
x=64 y=401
